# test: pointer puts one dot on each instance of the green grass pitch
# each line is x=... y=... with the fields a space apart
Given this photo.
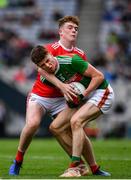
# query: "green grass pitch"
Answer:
x=45 y=159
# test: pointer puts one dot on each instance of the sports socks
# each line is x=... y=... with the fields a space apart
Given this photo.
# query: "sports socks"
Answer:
x=94 y=168
x=19 y=156
x=75 y=161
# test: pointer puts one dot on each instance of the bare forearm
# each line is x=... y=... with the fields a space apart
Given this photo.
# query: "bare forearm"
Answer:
x=95 y=82
x=66 y=89
x=50 y=77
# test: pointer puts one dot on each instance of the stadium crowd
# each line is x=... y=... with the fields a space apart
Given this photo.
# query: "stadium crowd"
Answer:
x=115 y=39
x=113 y=58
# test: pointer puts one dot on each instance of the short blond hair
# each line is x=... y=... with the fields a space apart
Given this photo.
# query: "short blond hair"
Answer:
x=65 y=19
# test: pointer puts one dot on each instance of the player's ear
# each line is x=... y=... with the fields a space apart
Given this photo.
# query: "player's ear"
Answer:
x=60 y=32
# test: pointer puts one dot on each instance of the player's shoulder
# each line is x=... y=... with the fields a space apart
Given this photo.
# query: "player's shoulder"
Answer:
x=54 y=45
x=79 y=51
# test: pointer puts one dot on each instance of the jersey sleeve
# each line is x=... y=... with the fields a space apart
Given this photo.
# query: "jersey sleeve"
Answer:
x=79 y=64
x=80 y=53
x=84 y=57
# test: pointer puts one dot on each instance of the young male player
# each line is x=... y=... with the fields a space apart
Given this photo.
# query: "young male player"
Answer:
x=45 y=97
x=69 y=68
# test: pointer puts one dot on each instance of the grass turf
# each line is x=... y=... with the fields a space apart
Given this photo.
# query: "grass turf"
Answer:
x=46 y=160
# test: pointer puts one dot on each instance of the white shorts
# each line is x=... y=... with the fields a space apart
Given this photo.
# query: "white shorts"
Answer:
x=52 y=105
x=103 y=98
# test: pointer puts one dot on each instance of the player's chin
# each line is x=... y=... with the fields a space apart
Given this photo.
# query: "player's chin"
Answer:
x=51 y=71
x=73 y=39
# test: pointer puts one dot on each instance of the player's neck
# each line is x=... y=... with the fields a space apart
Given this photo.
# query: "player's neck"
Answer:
x=66 y=44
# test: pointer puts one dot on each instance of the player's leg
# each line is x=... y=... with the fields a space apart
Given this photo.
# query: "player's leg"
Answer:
x=88 y=154
x=85 y=114
x=80 y=144
x=60 y=127
x=80 y=119
x=100 y=102
x=33 y=118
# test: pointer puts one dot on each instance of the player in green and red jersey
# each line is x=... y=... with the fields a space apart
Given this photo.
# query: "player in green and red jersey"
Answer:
x=70 y=68
x=38 y=104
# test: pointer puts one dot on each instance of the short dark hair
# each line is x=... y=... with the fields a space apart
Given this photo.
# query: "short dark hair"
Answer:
x=38 y=53
x=65 y=19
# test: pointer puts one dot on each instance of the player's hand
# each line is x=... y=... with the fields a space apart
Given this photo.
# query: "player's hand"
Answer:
x=68 y=91
x=76 y=101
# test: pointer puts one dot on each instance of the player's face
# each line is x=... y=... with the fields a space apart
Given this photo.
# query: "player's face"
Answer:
x=69 y=31
x=49 y=64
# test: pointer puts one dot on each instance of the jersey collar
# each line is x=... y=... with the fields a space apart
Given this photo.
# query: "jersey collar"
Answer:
x=65 y=47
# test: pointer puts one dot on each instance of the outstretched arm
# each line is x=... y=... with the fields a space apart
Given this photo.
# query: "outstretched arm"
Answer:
x=66 y=89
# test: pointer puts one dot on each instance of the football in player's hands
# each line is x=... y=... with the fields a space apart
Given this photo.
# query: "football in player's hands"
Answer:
x=79 y=89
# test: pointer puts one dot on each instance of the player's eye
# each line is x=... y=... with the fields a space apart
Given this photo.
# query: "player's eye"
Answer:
x=47 y=61
x=76 y=28
x=69 y=27
x=42 y=65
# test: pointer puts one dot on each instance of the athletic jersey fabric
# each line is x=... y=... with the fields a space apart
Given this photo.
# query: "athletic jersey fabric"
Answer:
x=71 y=68
x=47 y=90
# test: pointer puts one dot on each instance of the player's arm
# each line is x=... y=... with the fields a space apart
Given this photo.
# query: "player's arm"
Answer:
x=86 y=69
x=96 y=76
x=66 y=89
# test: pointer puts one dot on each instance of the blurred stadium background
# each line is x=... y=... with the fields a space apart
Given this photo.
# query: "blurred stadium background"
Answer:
x=105 y=35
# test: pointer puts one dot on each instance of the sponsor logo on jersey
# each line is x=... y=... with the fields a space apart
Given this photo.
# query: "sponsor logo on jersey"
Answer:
x=64 y=60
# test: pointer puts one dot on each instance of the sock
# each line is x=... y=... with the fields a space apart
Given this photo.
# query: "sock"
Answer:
x=81 y=160
x=75 y=158
x=75 y=161
x=19 y=156
x=94 y=168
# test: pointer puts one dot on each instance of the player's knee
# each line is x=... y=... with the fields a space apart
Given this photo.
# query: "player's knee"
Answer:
x=56 y=129
x=75 y=123
x=33 y=126
x=53 y=129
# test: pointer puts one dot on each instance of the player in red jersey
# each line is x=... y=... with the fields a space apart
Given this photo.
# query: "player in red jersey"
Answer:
x=46 y=98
